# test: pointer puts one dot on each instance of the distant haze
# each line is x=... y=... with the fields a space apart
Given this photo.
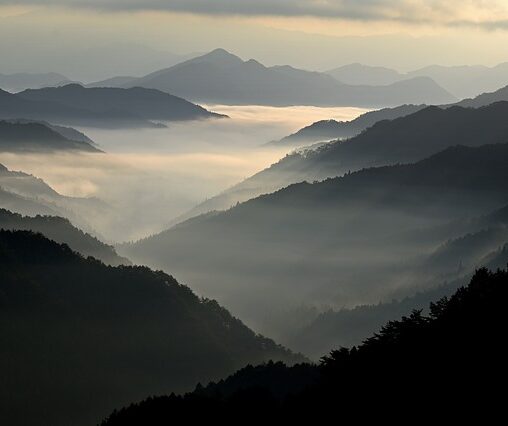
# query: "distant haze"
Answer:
x=88 y=45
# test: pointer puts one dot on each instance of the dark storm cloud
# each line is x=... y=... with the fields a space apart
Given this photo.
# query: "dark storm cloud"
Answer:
x=390 y=10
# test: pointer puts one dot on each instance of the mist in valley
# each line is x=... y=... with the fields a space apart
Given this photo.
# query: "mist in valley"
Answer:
x=148 y=177
x=250 y=207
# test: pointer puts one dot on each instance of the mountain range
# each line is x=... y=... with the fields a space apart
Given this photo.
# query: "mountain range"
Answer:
x=326 y=130
x=99 y=107
x=461 y=81
x=408 y=138
x=220 y=77
x=480 y=242
x=321 y=244
x=21 y=81
x=80 y=338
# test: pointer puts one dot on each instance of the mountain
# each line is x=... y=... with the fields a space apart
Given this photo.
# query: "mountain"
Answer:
x=327 y=130
x=62 y=231
x=21 y=81
x=481 y=241
x=24 y=205
x=119 y=81
x=359 y=74
x=220 y=77
x=90 y=337
x=26 y=194
x=138 y=102
x=404 y=139
x=466 y=81
x=99 y=107
x=66 y=132
x=321 y=244
x=486 y=99
x=461 y=81
x=447 y=358
x=26 y=136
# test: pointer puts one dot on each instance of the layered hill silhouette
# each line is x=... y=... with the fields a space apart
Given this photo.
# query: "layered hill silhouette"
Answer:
x=326 y=130
x=21 y=81
x=360 y=74
x=404 y=139
x=484 y=242
x=28 y=195
x=462 y=81
x=220 y=77
x=486 y=98
x=80 y=338
x=466 y=81
x=66 y=132
x=449 y=357
x=62 y=231
x=99 y=107
x=27 y=136
x=320 y=244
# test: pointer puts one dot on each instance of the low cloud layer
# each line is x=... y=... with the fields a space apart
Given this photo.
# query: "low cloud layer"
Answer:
x=150 y=176
x=489 y=14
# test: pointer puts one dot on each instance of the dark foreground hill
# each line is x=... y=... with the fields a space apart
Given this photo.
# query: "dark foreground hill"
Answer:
x=80 y=338
x=451 y=360
x=62 y=231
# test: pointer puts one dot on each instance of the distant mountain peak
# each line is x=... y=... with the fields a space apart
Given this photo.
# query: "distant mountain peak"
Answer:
x=220 y=57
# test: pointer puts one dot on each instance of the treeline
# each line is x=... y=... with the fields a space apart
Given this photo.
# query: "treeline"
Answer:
x=452 y=359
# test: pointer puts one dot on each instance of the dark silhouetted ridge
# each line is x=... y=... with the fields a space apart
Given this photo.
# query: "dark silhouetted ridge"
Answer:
x=80 y=338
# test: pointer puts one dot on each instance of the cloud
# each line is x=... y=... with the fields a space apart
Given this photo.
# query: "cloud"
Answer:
x=490 y=14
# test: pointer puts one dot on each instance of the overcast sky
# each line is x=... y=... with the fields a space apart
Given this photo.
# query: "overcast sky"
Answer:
x=92 y=39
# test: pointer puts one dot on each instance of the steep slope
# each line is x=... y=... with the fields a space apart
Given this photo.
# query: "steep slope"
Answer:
x=62 y=231
x=16 y=136
x=320 y=244
x=220 y=77
x=404 y=139
x=79 y=337
x=453 y=357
